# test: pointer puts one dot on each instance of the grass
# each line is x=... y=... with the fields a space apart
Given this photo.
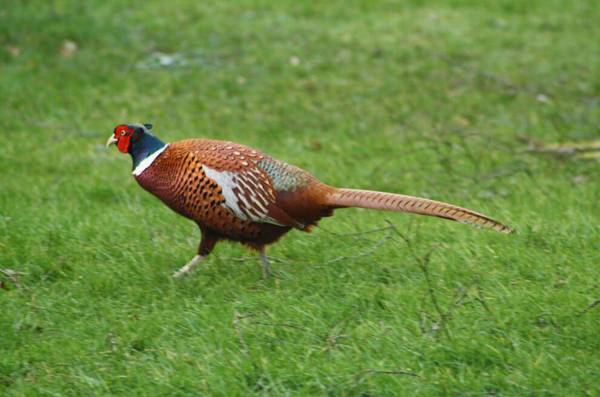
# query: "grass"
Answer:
x=426 y=98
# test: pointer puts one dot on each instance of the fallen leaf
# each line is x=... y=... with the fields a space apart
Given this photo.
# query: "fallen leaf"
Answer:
x=588 y=150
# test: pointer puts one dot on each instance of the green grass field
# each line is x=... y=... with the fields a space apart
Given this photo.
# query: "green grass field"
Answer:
x=440 y=99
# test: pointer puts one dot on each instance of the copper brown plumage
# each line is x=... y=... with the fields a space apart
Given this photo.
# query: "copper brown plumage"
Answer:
x=234 y=192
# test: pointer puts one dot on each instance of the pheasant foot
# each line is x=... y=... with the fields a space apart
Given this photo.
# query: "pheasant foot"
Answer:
x=188 y=266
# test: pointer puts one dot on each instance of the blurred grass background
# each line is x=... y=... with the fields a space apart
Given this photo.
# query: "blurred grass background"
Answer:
x=439 y=99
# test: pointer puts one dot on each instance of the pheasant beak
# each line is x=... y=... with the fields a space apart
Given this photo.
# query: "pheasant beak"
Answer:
x=111 y=140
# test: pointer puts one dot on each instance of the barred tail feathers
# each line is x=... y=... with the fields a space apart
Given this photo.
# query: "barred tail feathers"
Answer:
x=416 y=205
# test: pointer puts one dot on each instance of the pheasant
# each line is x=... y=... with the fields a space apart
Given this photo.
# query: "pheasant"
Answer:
x=234 y=192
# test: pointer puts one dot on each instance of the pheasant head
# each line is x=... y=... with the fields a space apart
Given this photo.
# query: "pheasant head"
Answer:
x=136 y=140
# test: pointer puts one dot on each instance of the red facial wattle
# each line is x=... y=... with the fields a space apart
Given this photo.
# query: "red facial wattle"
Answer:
x=123 y=136
x=123 y=143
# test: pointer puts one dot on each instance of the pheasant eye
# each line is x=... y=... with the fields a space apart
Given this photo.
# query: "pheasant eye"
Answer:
x=123 y=132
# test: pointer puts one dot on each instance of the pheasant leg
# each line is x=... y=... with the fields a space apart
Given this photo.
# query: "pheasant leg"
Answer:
x=265 y=263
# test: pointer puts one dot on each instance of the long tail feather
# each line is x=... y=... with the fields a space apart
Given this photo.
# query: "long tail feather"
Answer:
x=416 y=205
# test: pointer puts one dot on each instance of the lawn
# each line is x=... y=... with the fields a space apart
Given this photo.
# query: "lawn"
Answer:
x=442 y=99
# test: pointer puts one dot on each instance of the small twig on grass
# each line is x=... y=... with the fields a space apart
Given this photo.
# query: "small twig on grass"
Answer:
x=253 y=258
x=481 y=299
x=387 y=372
x=285 y=325
x=502 y=81
x=584 y=150
x=423 y=263
x=371 y=250
x=502 y=172
x=590 y=307
x=237 y=321
x=378 y=229
x=564 y=148
x=457 y=301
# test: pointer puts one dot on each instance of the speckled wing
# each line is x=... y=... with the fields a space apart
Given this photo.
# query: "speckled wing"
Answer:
x=232 y=171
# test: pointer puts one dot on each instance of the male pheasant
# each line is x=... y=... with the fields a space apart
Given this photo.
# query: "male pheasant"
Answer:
x=234 y=192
